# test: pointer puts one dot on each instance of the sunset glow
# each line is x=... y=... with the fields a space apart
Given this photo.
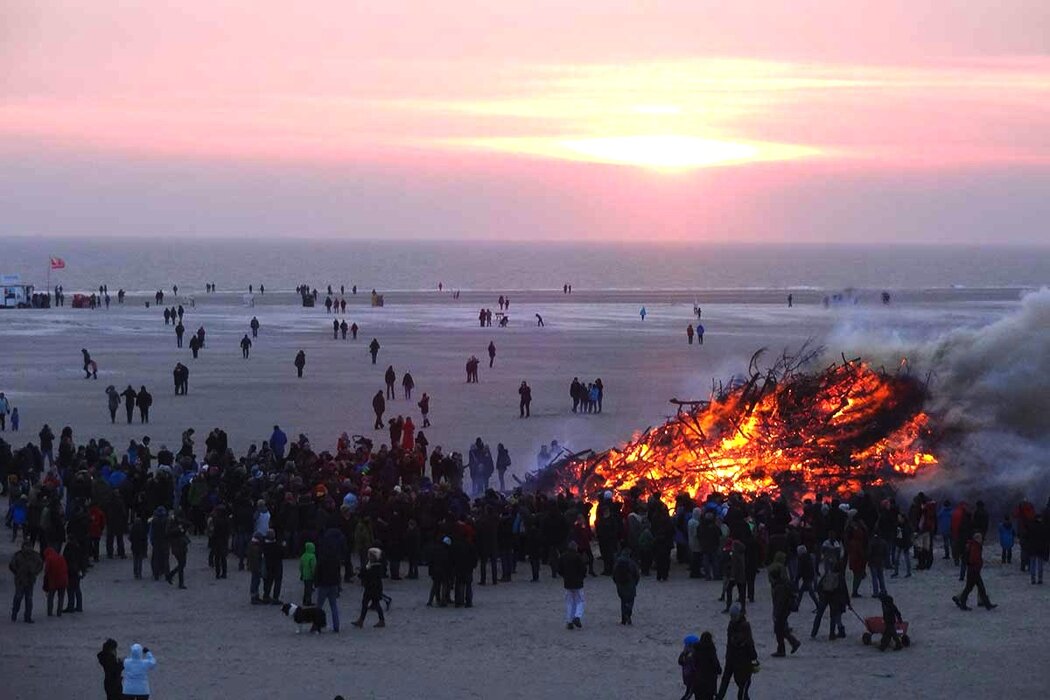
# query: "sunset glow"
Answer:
x=793 y=101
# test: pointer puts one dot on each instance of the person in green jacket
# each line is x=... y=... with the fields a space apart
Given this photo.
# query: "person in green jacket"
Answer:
x=307 y=571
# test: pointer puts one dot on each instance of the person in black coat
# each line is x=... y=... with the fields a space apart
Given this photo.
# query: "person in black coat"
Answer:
x=372 y=581
x=129 y=401
x=573 y=572
x=144 y=400
x=273 y=568
x=113 y=668
x=116 y=525
x=440 y=569
x=464 y=561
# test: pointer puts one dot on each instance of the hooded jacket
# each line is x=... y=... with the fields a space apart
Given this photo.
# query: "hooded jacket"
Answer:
x=695 y=545
x=308 y=563
x=136 y=671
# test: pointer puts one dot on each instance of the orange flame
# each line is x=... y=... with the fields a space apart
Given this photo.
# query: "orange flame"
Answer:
x=836 y=431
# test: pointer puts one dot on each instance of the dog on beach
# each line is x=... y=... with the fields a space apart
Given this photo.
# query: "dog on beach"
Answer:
x=306 y=615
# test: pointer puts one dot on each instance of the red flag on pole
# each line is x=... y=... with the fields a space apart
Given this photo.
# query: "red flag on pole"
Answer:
x=58 y=263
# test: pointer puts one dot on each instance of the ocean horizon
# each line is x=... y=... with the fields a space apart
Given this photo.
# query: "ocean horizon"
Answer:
x=144 y=265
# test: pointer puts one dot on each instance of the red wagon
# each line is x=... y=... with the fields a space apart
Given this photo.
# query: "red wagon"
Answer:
x=874 y=625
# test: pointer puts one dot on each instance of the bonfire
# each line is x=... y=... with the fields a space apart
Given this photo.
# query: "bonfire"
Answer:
x=784 y=430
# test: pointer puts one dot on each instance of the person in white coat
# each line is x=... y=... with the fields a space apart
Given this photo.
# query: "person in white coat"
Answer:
x=136 y=673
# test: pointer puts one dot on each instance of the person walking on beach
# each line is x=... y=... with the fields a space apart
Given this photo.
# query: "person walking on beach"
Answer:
x=179 y=330
x=26 y=565
x=343 y=328
x=178 y=545
x=573 y=572
x=372 y=595
x=700 y=333
x=335 y=329
x=136 y=673
x=525 y=401
x=689 y=333
x=87 y=363
x=626 y=575
x=373 y=347
x=379 y=406
x=200 y=337
x=408 y=384
x=177 y=377
x=353 y=332
x=112 y=669
x=492 y=353
x=539 y=321
x=129 y=401
x=195 y=345
x=741 y=657
x=300 y=362
x=144 y=400
x=424 y=408
x=974 y=560
x=390 y=377
x=112 y=402
x=642 y=313
x=246 y=345
x=254 y=325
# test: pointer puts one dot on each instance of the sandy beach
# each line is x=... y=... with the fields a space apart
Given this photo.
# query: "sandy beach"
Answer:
x=211 y=643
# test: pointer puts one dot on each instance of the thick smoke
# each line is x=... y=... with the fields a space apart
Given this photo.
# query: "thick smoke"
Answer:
x=989 y=391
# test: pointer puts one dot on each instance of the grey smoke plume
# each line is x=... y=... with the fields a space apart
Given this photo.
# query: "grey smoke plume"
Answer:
x=990 y=391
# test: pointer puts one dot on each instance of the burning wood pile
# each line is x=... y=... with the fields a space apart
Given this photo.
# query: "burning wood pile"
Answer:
x=782 y=430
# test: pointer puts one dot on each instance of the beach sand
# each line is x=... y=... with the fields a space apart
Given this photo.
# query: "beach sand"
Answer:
x=211 y=643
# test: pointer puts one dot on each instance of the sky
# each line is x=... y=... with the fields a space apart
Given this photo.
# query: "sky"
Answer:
x=854 y=121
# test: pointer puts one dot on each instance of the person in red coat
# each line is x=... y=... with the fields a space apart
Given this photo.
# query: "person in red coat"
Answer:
x=408 y=435
x=56 y=579
x=96 y=526
x=857 y=551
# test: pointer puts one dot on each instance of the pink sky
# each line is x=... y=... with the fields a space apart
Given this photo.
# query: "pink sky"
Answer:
x=683 y=119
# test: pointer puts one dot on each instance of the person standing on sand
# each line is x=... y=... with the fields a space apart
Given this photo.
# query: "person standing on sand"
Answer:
x=26 y=565
x=573 y=573
x=353 y=332
x=525 y=394
x=689 y=333
x=113 y=670
x=87 y=362
x=373 y=348
x=144 y=400
x=741 y=657
x=200 y=337
x=700 y=333
x=390 y=377
x=195 y=346
x=642 y=313
x=112 y=402
x=424 y=408
x=246 y=345
x=300 y=362
x=254 y=325
x=502 y=464
x=379 y=406
x=343 y=328
x=492 y=353
x=5 y=408
x=136 y=673
x=179 y=330
x=335 y=329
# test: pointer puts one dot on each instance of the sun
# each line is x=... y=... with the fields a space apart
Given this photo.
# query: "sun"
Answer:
x=665 y=152
x=657 y=152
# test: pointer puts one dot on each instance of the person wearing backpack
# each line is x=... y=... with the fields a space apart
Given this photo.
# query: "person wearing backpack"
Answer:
x=626 y=576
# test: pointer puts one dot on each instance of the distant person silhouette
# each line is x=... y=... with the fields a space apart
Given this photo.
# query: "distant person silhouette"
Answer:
x=373 y=349
x=300 y=363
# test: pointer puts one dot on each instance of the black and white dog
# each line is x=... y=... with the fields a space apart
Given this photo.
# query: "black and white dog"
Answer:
x=313 y=616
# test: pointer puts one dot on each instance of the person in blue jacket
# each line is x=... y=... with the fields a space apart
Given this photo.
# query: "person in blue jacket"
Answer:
x=944 y=526
x=1006 y=539
x=136 y=673
x=278 y=441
